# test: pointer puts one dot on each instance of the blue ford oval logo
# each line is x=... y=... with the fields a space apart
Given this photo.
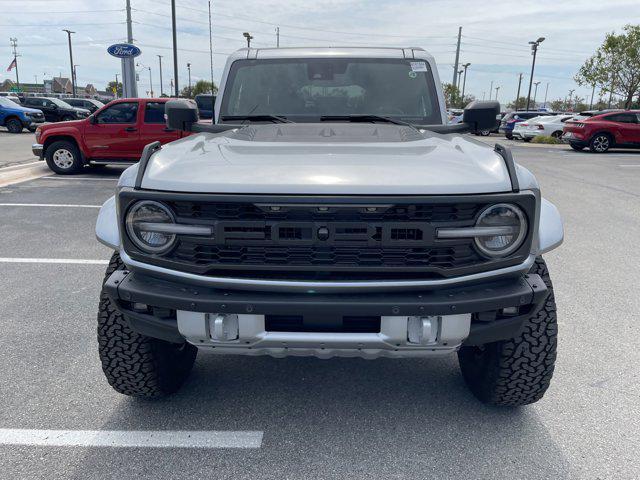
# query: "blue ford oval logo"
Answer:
x=124 y=50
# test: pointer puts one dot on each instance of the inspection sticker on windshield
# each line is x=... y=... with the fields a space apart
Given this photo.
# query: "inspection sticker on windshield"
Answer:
x=418 y=66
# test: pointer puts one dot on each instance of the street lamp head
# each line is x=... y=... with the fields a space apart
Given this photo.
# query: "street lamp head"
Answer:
x=540 y=40
x=466 y=65
x=247 y=35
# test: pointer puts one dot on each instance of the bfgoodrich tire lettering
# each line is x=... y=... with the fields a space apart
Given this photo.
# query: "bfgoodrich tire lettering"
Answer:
x=134 y=364
x=518 y=371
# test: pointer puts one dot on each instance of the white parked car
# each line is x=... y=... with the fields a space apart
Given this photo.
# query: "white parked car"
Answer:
x=545 y=125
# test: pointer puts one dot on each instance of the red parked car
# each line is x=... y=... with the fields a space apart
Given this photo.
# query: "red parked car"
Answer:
x=115 y=134
x=602 y=132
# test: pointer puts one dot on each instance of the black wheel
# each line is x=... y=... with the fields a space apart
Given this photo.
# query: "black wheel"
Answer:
x=526 y=139
x=508 y=136
x=576 y=147
x=13 y=125
x=600 y=143
x=33 y=129
x=134 y=364
x=63 y=157
x=518 y=371
x=485 y=133
x=557 y=135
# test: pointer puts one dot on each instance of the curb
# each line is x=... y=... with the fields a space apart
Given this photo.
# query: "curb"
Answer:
x=23 y=173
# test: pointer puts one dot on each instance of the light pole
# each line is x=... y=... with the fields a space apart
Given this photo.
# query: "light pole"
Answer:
x=189 y=68
x=518 y=94
x=73 y=82
x=160 y=60
x=491 y=90
x=175 y=46
x=115 y=93
x=249 y=37
x=464 y=80
x=75 y=77
x=535 y=93
x=546 y=91
x=150 y=79
x=534 y=52
x=497 y=88
x=570 y=95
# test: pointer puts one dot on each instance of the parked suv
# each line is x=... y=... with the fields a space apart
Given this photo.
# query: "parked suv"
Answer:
x=509 y=121
x=601 y=132
x=332 y=214
x=15 y=117
x=86 y=103
x=56 y=110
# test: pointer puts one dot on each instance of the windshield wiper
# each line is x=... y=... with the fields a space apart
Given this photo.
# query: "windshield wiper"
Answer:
x=257 y=118
x=364 y=118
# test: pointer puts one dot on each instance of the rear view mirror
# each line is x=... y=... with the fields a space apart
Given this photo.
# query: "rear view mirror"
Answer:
x=181 y=114
x=481 y=115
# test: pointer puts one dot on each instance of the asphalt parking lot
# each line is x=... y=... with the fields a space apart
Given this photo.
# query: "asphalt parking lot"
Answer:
x=309 y=418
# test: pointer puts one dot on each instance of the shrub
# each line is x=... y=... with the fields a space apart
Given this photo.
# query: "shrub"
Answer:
x=546 y=139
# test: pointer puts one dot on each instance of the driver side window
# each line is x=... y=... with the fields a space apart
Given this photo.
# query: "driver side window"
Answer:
x=119 y=113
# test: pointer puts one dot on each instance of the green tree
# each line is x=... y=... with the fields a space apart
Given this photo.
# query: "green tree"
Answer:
x=201 y=86
x=451 y=95
x=111 y=87
x=615 y=66
x=519 y=104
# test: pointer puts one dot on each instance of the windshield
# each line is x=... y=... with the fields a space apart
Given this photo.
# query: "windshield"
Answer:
x=60 y=103
x=5 y=102
x=303 y=90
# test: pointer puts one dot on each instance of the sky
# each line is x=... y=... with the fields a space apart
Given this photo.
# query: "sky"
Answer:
x=495 y=36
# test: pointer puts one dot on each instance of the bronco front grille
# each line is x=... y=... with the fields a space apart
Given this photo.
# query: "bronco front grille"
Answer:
x=327 y=237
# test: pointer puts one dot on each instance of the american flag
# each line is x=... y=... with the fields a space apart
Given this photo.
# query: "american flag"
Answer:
x=12 y=65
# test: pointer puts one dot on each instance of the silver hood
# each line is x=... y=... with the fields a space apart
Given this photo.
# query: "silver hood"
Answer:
x=337 y=158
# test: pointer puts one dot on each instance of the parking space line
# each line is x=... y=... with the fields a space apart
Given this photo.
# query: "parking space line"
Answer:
x=62 y=205
x=132 y=439
x=71 y=261
x=630 y=166
x=80 y=178
x=18 y=166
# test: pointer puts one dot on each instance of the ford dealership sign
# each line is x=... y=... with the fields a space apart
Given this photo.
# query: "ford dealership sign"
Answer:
x=124 y=50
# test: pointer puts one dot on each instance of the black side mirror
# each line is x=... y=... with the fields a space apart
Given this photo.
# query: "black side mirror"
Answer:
x=181 y=114
x=480 y=115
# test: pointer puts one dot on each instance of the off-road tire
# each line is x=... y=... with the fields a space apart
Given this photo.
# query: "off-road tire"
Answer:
x=600 y=143
x=13 y=125
x=72 y=152
x=134 y=364
x=518 y=371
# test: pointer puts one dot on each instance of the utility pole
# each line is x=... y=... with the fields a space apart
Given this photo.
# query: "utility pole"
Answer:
x=73 y=82
x=518 y=94
x=150 y=83
x=14 y=44
x=464 y=81
x=491 y=90
x=455 y=67
x=277 y=37
x=160 y=60
x=249 y=37
x=535 y=93
x=570 y=95
x=175 y=47
x=213 y=102
x=497 y=88
x=534 y=51
x=75 y=78
x=593 y=90
x=129 y=83
x=189 y=68
x=546 y=91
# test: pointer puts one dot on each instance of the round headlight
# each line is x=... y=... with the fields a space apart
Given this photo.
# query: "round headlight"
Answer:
x=509 y=221
x=140 y=221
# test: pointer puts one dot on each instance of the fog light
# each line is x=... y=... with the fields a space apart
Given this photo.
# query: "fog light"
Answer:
x=422 y=330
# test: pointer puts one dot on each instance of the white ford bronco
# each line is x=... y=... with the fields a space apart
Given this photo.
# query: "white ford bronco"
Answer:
x=329 y=210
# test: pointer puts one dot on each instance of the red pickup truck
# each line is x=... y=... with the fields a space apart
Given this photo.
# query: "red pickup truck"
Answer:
x=114 y=134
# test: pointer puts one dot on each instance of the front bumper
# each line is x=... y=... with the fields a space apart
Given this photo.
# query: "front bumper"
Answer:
x=237 y=322
x=38 y=150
